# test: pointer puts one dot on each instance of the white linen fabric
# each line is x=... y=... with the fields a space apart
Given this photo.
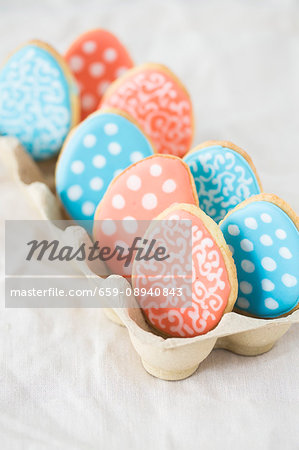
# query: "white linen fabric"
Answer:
x=70 y=379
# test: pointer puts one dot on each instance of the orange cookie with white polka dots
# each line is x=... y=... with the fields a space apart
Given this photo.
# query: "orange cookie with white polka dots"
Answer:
x=135 y=197
x=96 y=58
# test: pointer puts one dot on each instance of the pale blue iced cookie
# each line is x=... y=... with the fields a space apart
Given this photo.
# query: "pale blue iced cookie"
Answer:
x=38 y=99
x=98 y=150
x=263 y=236
x=224 y=176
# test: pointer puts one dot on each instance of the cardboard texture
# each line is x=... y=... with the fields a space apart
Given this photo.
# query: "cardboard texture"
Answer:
x=168 y=359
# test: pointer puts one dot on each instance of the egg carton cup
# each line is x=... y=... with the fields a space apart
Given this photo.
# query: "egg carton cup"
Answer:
x=168 y=359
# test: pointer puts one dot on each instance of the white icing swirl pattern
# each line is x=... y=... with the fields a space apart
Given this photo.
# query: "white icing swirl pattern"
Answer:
x=35 y=101
x=209 y=287
x=223 y=178
x=161 y=108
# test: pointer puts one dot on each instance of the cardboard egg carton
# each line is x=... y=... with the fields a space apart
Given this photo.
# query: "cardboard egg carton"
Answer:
x=168 y=359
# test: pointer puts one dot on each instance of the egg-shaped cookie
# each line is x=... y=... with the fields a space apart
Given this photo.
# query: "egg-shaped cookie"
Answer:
x=159 y=102
x=224 y=176
x=187 y=294
x=262 y=233
x=96 y=151
x=96 y=58
x=135 y=197
x=38 y=99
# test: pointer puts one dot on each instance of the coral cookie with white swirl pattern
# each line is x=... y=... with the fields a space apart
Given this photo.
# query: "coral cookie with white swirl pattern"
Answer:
x=224 y=176
x=38 y=99
x=138 y=195
x=159 y=102
x=96 y=58
x=262 y=233
x=213 y=285
x=95 y=152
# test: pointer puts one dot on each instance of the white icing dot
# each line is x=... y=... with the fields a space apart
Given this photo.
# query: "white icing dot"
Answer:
x=123 y=245
x=281 y=234
x=136 y=156
x=89 y=140
x=114 y=148
x=111 y=129
x=247 y=266
x=155 y=170
x=285 y=253
x=130 y=224
x=96 y=69
x=266 y=218
x=246 y=245
x=120 y=71
x=149 y=201
x=169 y=186
x=76 y=63
x=231 y=249
x=117 y=172
x=108 y=227
x=102 y=87
x=88 y=101
x=77 y=167
x=110 y=54
x=270 y=303
x=96 y=183
x=289 y=280
x=251 y=223
x=267 y=285
x=233 y=230
x=88 y=208
x=89 y=46
x=243 y=303
x=174 y=217
x=268 y=264
x=245 y=287
x=134 y=182
x=118 y=202
x=266 y=239
x=99 y=161
x=74 y=192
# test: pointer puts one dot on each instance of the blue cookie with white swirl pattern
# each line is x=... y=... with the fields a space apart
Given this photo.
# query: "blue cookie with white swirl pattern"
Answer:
x=224 y=176
x=262 y=234
x=38 y=99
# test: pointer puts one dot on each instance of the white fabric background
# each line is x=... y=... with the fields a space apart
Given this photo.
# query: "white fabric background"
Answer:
x=69 y=379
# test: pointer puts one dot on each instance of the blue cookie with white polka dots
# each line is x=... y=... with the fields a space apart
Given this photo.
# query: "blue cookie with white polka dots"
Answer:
x=99 y=149
x=39 y=101
x=263 y=236
x=224 y=176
